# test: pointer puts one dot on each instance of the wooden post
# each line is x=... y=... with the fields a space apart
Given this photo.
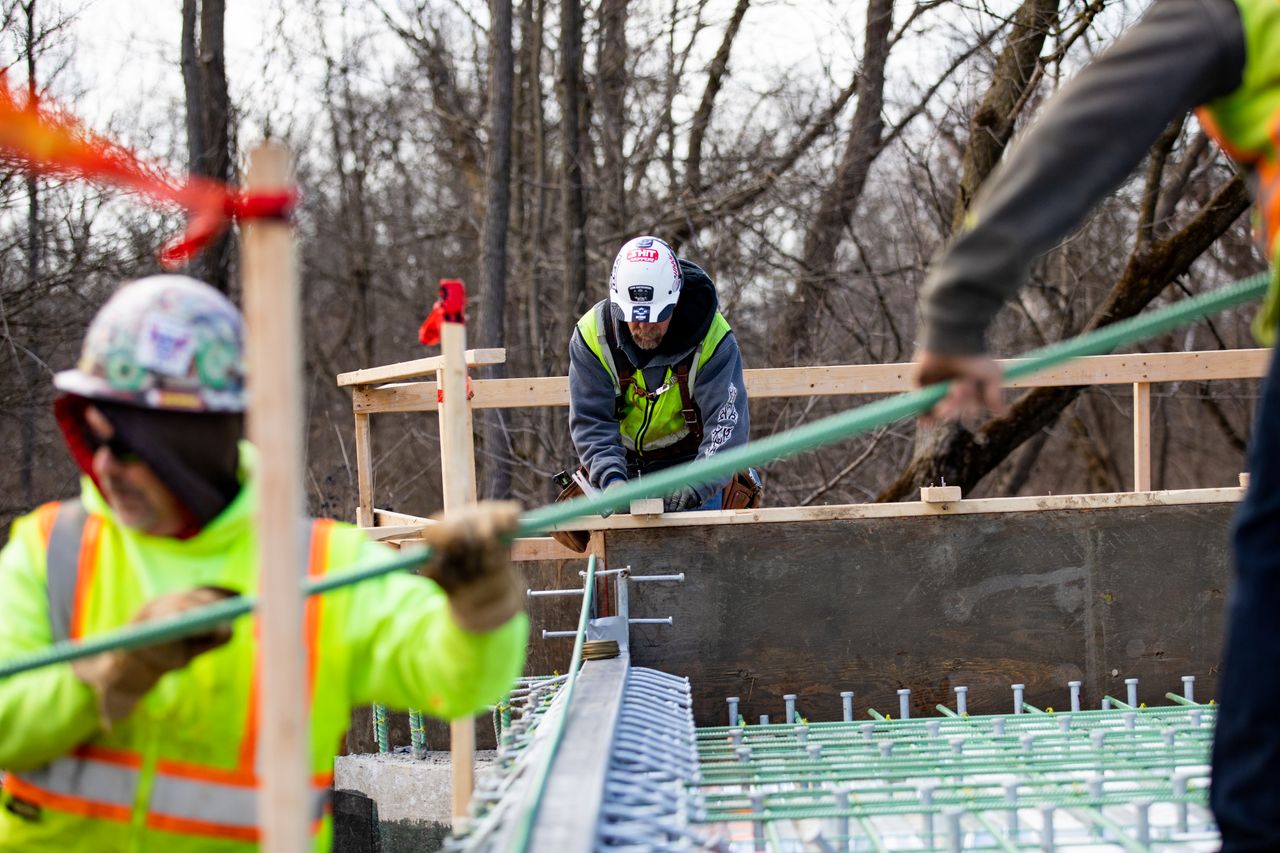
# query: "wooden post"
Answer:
x=458 y=472
x=1142 y=436
x=364 y=471
x=271 y=302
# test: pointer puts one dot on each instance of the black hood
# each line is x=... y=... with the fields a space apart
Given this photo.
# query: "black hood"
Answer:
x=690 y=322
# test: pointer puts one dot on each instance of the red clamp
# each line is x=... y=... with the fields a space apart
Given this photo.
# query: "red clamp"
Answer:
x=449 y=308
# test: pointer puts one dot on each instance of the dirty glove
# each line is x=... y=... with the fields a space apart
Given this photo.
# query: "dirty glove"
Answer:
x=613 y=483
x=686 y=497
x=121 y=677
x=471 y=561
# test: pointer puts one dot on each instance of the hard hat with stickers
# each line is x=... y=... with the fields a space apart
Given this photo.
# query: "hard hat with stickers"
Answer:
x=646 y=280
x=163 y=342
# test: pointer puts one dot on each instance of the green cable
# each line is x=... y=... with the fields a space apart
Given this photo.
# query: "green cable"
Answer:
x=698 y=472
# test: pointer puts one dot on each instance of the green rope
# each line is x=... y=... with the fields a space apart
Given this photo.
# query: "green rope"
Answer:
x=700 y=471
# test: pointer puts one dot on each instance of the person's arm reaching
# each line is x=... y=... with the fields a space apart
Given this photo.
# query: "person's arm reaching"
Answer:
x=1182 y=54
x=414 y=645
x=592 y=420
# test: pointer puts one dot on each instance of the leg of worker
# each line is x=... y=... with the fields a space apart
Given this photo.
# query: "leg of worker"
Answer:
x=1246 y=752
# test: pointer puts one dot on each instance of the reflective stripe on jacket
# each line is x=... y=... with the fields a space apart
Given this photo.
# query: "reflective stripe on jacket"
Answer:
x=1246 y=123
x=648 y=420
x=179 y=774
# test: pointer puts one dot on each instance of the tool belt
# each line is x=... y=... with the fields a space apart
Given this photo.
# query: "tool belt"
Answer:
x=742 y=492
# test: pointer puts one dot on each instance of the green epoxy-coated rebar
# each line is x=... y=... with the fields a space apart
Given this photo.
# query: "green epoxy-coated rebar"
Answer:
x=417 y=735
x=380 y=728
x=769 y=775
x=700 y=471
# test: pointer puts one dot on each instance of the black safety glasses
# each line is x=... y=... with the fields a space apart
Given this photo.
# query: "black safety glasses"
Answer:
x=117 y=446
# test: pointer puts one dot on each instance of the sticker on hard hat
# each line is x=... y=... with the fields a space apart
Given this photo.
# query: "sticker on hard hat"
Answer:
x=640 y=314
x=643 y=256
x=640 y=293
x=644 y=242
x=165 y=346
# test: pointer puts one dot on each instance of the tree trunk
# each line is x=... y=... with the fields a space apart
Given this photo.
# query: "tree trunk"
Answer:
x=204 y=76
x=612 y=63
x=573 y=300
x=493 y=291
x=35 y=252
x=840 y=199
x=993 y=123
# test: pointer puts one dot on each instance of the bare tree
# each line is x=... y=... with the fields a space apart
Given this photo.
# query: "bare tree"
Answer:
x=209 y=137
x=493 y=292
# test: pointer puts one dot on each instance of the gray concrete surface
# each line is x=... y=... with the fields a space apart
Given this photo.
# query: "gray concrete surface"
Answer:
x=412 y=797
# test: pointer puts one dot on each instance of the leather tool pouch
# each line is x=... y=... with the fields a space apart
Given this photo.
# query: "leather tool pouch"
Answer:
x=576 y=540
x=742 y=492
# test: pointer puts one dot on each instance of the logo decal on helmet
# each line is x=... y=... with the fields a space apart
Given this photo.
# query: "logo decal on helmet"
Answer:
x=640 y=293
x=644 y=242
x=643 y=256
x=640 y=314
x=165 y=346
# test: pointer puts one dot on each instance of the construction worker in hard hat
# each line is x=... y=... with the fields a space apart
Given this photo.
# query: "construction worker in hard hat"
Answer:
x=157 y=748
x=655 y=378
x=1222 y=56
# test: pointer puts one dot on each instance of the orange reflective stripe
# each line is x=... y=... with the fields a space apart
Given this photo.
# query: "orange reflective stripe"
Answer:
x=320 y=530
x=108 y=755
x=189 y=826
x=239 y=778
x=1210 y=125
x=86 y=572
x=18 y=787
x=46 y=515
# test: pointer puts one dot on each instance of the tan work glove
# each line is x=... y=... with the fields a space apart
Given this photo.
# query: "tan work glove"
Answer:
x=471 y=560
x=120 y=678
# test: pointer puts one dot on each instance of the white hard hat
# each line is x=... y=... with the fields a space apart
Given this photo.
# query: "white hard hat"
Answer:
x=646 y=280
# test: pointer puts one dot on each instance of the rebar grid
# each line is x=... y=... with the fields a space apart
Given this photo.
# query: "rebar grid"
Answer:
x=1132 y=778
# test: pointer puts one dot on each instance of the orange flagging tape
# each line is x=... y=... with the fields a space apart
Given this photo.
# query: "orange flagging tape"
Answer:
x=37 y=138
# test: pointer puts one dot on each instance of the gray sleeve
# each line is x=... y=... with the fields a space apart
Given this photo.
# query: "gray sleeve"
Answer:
x=1182 y=54
x=720 y=393
x=591 y=415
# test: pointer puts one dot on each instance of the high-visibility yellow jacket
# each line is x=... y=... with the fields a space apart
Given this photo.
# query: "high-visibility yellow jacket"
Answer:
x=1246 y=123
x=180 y=773
x=657 y=419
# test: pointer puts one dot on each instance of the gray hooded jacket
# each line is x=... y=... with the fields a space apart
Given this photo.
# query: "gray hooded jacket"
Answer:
x=718 y=389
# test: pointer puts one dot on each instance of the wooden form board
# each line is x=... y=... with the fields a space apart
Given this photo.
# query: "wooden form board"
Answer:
x=541 y=548
x=418 y=367
x=847 y=380
x=876 y=604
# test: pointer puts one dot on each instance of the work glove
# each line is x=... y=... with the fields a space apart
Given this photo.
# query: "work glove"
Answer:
x=686 y=497
x=613 y=483
x=121 y=677
x=471 y=561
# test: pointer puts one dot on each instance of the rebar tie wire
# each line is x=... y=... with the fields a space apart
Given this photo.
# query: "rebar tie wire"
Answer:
x=697 y=472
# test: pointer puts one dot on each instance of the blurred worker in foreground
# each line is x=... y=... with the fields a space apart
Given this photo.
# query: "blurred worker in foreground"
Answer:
x=655 y=379
x=1223 y=56
x=156 y=748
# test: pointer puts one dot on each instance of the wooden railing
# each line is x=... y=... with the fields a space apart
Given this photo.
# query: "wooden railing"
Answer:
x=403 y=388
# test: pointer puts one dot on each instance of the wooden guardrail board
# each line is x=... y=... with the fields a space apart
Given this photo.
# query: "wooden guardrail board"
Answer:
x=839 y=380
x=418 y=367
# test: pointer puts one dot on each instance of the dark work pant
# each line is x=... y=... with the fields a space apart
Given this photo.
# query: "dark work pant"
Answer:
x=1246 y=751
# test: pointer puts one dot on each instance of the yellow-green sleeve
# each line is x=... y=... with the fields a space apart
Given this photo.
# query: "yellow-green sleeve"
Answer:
x=47 y=712
x=406 y=651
